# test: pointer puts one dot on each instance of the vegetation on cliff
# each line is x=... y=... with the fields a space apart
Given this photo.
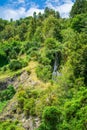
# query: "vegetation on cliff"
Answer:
x=53 y=52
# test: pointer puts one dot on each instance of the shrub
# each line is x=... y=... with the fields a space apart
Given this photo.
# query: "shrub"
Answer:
x=3 y=59
x=51 y=118
x=7 y=94
x=76 y=110
x=12 y=127
x=9 y=125
x=5 y=68
x=51 y=115
x=21 y=102
x=44 y=72
x=43 y=127
x=29 y=71
x=24 y=63
x=29 y=107
x=15 y=65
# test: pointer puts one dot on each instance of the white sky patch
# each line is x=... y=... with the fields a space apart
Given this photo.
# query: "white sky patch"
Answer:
x=10 y=11
x=32 y=10
x=64 y=10
x=63 y=6
x=21 y=1
x=18 y=13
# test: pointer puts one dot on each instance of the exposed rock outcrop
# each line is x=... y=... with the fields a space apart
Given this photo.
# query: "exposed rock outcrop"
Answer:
x=9 y=112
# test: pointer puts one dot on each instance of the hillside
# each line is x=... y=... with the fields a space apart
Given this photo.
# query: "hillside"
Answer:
x=43 y=72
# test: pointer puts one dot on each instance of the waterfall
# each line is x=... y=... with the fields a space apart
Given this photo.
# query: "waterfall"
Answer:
x=55 y=69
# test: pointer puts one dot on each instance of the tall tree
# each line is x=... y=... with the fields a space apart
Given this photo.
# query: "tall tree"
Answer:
x=79 y=7
x=48 y=12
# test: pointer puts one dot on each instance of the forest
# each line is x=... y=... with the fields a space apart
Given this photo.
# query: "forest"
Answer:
x=56 y=50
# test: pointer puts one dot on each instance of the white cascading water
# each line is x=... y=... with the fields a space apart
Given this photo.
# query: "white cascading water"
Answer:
x=55 y=70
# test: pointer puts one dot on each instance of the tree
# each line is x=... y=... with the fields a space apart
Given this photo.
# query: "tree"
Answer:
x=49 y=11
x=8 y=32
x=32 y=28
x=51 y=118
x=51 y=28
x=76 y=111
x=2 y=24
x=79 y=23
x=80 y=64
x=22 y=31
x=79 y=7
x=15 y=65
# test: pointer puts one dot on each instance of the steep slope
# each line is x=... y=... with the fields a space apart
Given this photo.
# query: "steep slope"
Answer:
x=26 y=80
x=43 y=73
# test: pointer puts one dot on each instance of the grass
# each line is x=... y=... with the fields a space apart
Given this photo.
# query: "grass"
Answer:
x=2 y=105
x=8 y=73
x=10 y=125
x=31 y=67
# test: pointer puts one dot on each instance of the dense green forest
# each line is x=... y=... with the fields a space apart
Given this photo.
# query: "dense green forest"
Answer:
x=58 y=47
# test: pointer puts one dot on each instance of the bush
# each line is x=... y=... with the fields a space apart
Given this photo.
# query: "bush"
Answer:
x=3 y=59
x=76 y=111
x=21 y=102
x=2 y=105
x=24 y=63
x=51 y=115
x=43 y=127
x=44 y=72
x=29 y=107
x=4 y=68
x=15 y=65
x=9 y=125
x=51 y=118
x=7 y=94
x=12 y=127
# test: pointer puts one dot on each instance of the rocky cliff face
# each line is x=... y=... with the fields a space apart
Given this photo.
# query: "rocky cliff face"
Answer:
x=25 y=80
x=10 y=112
x=4 y=83
x=16 y=81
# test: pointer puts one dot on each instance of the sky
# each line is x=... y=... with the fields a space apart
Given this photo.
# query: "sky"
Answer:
x=17 y=9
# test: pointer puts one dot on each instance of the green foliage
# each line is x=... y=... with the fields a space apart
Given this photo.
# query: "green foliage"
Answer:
x=79 y=23
x=9 y=125
x=51 y=118
x=38 y=37
x=2 y=24
x=51 y=115
x=21 y=102
x=51 y=43
x=26 y=102
x=51 y=28
x=17 y=64
x=79 y=7
x=45 y=38
x=48 y=12
x=9 y=51
x=76 y=110
x=3 y=59
x=22 y=31
x=2 y=105
x=7 y=94
x=44 y=72
x=52 y=48
x=43 y=127
x=80 y=63
x=8 y=32
x=29 y=107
